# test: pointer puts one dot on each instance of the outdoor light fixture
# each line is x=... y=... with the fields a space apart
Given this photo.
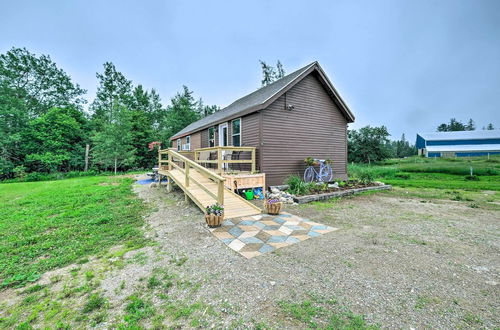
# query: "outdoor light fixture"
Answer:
x=290 y=107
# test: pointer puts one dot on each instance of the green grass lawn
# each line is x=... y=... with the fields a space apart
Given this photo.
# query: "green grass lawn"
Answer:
x=46 y=225
x=439 y=173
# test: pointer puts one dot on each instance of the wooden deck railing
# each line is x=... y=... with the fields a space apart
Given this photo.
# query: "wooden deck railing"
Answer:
x=221 y=152
x=174 y=157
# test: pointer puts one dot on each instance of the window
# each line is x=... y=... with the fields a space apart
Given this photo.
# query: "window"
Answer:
x=187 y=145
x=211 y=137
x=236 y=132
x=178 y=144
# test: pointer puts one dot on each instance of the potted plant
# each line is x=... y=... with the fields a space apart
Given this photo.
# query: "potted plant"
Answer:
x=310 y=161
x=273 y=206
x=214 y=215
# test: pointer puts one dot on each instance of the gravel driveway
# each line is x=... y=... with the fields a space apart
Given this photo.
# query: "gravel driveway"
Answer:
x=398 y=261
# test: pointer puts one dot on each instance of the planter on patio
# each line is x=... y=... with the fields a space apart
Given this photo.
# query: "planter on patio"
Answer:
x=273 y=206
x=213 y=220
x=214 y=215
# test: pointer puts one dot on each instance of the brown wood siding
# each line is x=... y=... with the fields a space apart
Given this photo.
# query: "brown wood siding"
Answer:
x=250 y=134
x=315 y=127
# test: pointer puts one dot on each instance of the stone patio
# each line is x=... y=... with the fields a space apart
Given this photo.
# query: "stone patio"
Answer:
x=255 y=235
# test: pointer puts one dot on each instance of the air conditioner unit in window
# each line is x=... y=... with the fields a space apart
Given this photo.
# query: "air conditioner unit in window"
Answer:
x=186 y=146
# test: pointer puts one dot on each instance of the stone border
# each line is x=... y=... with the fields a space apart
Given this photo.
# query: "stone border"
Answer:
x=319 y=197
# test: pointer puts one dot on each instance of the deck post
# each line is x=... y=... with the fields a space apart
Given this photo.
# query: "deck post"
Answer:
x=220 y=193
x=186 y=171
x=169 y=184
x=219 y=160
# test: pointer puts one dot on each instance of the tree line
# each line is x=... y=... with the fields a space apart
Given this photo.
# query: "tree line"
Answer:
x=456 y=125
x=44 y=126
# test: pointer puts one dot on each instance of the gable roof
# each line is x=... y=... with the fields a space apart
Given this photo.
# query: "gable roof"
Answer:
x=263 y=97
x=461 y=135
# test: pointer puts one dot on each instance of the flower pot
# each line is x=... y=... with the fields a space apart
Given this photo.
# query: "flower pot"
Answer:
x=213 y=220
x=274 y=208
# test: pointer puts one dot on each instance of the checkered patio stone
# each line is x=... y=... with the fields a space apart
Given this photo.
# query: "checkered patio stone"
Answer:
x=254 y=235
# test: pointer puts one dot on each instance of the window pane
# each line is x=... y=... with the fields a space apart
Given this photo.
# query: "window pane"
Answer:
x=236 y=140
x=236 y=126
x=211 y=133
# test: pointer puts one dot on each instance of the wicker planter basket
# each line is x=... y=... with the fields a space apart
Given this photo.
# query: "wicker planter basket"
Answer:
x=274 y=208
x=214 y=220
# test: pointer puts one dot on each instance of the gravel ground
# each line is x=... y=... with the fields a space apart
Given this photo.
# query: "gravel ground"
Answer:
x=400 y=262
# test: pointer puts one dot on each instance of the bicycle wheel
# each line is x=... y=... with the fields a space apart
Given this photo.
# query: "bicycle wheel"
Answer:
x=309 y=174
x=326 y=173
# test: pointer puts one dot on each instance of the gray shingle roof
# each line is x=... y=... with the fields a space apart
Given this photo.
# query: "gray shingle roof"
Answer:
x=251 y=100
x=258 y=99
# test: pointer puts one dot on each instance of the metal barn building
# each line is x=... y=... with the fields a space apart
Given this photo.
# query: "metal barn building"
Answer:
x=459 y=144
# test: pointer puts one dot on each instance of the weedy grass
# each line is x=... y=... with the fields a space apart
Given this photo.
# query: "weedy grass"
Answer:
x=46 y=225
x=448 y=173
x=325 y=314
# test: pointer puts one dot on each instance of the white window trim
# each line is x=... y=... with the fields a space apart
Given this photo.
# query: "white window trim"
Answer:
x=232 y=133
x=187 y=146
x=221 y=139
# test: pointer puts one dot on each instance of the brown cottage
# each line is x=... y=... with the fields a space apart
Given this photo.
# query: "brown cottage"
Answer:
x=297 y=116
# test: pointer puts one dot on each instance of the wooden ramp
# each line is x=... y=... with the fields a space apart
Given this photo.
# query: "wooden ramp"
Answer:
x=203 y=186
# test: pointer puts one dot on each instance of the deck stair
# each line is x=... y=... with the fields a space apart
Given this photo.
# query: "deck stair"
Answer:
x=202 y=186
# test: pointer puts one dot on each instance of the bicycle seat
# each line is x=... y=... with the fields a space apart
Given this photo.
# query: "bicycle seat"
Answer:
x=320 y=160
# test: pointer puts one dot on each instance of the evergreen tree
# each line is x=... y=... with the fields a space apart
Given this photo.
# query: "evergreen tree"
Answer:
x=271 y=74
x=471 y=126
x=490 y=127
x=182 y=111
x=454 y=125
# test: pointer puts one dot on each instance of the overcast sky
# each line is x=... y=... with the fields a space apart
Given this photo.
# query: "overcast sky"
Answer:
x=409 y=65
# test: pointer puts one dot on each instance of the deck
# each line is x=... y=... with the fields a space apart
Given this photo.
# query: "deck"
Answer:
x=203 y=186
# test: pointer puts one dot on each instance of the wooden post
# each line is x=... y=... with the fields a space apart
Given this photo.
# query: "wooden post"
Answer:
x=87 y=149
x=219 y=160
x=253 y=160
x=186 y=171
x=169 y=184
x=169 y=161
x=159 y=159
x=220 y=193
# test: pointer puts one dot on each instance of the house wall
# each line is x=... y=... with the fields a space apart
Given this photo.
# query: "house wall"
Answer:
x=314 y=128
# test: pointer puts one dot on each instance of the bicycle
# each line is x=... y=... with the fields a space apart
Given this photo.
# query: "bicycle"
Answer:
x=325 y=173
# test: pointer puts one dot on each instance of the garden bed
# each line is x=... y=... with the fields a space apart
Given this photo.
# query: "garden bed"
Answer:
x=338 y=193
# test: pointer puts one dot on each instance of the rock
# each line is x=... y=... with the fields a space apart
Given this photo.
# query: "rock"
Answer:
x=378 y=183
x=272 y=283
x=275 y=190
x=274 y=196
x=334 y=185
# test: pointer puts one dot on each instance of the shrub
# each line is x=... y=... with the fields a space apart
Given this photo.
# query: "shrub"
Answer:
x=472 y=178
x=296 y=186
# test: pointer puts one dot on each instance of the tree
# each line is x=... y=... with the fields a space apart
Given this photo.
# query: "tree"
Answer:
x=454 y=125
x=402 y=148
x=38 y=82
x=271 y=74
x=113 y=146
x=280 y=70
x=471 y=126
x=29 y=87
x=368 y=144
x=182 y=111
x=55 y=141
x=490 y=127
x=114 y=92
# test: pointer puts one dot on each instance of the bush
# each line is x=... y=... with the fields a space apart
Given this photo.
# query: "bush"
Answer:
x=472 y=178
x=296 y=186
